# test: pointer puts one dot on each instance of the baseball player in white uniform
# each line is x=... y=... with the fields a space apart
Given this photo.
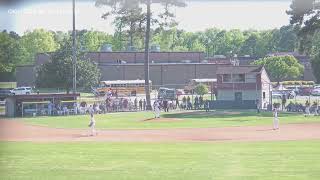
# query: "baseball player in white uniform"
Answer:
x=92 y=123
x=275 y=119
x=156 y=107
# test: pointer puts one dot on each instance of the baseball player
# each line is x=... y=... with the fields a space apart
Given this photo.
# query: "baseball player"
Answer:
x=307 y=110
x=156 y=107
x=275 y=119
x=92 y=123
x=316 y=109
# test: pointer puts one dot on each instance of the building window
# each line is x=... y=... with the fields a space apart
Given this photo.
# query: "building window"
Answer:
x=226 y=78
x=264 y=95
x=239 y=78
x=251 y=78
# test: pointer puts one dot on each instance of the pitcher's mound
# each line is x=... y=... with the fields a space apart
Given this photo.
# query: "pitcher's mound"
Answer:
x=162 y=120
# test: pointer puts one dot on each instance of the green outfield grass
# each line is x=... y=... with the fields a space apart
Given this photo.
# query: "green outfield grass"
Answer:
x=188 y=120
x=160 y=161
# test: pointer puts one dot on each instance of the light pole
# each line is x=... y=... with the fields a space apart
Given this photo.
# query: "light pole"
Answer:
x=146 y=57
x=74 y=58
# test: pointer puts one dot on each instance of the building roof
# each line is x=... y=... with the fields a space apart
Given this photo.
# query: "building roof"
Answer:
x=238 y=69
x=44 y=95
x=126 y=82
x=284 y=54
x=204 y=80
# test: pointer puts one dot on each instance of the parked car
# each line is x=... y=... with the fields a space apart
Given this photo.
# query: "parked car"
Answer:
x=315 y=92
x=179 y=92
x=21 y=90
x=277 y=95
x=291 y=94
x=305 y=91
x=167 y=94
x=294 y=88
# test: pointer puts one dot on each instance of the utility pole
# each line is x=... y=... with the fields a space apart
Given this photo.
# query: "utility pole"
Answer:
x=146 y=57
x=74 y=58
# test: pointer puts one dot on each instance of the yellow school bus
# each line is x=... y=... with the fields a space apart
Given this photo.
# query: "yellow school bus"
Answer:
x=122 y=87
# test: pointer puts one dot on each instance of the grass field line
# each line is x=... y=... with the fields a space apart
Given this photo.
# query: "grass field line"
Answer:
x=120 y=129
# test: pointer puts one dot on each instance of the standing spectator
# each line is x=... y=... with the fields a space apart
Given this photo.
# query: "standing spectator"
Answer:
x=50 y=107
x=125 y=103
x=116 y=93
x=200 y=101
x=284 y=101
x=165 y=106
x=90 y=109
x=177 y=103
x=59 y=109
x=135 y=104
x=65 y=110
x=130 y=104
x=75 y=108
x=275 y=119
x=307 y=111
x=140 y=105
x=144 y=104
x=207 y=106
x=196 y=102
x=189 y=105
x=94 y=107
x=258 y=105
x=184 y=99
x=102 y=108
x=184 y=102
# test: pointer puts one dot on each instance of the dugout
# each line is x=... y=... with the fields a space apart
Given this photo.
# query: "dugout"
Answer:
x=34 y=104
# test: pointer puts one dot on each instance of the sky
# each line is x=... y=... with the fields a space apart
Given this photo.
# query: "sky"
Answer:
x=199 y=15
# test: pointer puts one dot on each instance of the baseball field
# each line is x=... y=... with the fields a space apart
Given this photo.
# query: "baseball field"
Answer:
x=179 y=145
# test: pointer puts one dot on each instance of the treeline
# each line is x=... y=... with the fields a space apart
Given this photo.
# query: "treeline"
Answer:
x=21 y=50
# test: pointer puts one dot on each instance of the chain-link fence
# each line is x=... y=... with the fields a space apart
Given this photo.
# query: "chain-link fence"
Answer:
x=171 y=97
x=2 y=108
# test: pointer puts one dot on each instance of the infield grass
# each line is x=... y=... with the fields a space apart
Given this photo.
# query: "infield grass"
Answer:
x=291 y=160
x=135 y=120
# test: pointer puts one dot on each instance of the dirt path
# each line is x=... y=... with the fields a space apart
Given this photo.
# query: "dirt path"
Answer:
x=13 y=130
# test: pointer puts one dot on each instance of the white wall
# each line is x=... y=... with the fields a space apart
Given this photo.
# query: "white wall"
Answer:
x=266 y=87
x=229 y=95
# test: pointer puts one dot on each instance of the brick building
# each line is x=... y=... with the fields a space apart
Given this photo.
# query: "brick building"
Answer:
x=173 y=69
x=165 y=67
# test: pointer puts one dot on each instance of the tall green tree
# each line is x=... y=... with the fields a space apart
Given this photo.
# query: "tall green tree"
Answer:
x=250 y=44
x=315 y=63
x=58 y=71
x=11 y=55
x=281 y=68
x=93 y=40
x=288 y=39
x=201 y=89
x=38 y=41
x=305 y=14
x=128 y=17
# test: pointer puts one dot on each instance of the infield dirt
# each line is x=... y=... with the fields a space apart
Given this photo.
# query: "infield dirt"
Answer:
x=15 y=130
